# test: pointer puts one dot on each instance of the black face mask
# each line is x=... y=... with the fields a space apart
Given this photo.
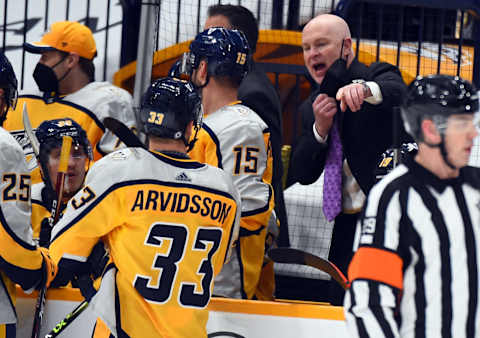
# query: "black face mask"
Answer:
x=46 y=79
x=335 y=78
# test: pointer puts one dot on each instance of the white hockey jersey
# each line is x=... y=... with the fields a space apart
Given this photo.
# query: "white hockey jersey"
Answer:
x=20 y=260
x=88 y=106
x=237 y=140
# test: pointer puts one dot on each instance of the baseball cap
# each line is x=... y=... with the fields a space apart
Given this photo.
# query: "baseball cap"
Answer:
x=66 y=36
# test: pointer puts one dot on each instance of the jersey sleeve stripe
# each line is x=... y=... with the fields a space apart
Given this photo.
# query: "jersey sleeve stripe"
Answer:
x=242 y=271
x=230 y=236
x=245 y=232
x=262 y=209
x=378 y=265
x=26 y=258
x=27 y=277
x=74 y=105
x=9 y=234
x=40 y=203
x=217 y=144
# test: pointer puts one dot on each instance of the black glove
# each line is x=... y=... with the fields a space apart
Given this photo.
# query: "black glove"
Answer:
x=45 y=233
x=98 y=260
x=82 y=274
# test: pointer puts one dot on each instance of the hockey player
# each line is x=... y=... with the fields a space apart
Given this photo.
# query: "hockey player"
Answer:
x=65 y=74
x=49 y=135
x=416 y=269
x=21 y=261
x=168 y=225
x=234 y=138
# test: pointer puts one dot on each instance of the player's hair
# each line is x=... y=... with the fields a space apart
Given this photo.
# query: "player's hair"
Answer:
x=240 y=18
x=87 y=66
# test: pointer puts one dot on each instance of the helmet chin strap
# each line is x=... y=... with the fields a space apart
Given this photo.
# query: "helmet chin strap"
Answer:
x=443 y=151
x=190 y=144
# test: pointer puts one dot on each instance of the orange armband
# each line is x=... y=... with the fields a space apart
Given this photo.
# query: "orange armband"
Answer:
x=377 y=264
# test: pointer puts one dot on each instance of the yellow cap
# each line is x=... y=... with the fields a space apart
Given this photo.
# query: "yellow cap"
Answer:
x=66 y=36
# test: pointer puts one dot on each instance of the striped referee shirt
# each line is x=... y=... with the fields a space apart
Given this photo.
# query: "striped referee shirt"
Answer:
x=415 y=272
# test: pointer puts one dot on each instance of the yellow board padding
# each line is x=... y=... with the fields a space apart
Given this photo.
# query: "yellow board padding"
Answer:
x=281 y=46
x=276 y=308
x=283 y=309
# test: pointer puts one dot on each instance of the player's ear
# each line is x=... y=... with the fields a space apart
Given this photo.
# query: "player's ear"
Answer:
x=430 y=132
x=72 y=59
x=203 y=69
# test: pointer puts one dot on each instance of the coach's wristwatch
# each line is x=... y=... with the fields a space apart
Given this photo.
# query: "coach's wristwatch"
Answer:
x=366 y=89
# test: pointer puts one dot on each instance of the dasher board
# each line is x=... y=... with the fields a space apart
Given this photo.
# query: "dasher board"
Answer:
x=228 y=317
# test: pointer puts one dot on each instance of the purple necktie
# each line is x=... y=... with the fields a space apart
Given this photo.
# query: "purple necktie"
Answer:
x=332 y=185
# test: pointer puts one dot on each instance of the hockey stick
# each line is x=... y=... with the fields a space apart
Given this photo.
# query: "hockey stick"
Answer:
x=67 y=320
x=131 y=140
x=59 y=187
x=123 y=132
x=295 y=256
x=36 y=150
x=64 y=157
x=85 y=289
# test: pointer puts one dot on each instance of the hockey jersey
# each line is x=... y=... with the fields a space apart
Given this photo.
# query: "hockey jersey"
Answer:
x=237 y=140
x=20 y=259
x=169 y=227
x=88 y=106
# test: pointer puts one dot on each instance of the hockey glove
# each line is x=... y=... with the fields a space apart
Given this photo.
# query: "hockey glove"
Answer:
x=45 y=233
x=49 y=269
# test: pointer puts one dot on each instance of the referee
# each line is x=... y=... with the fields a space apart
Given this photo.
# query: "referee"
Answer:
x=415 y=272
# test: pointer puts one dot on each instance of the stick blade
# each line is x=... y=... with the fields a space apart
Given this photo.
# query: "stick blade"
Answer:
x=29 y=131
x=296 y=256
x=328 y=267
x=123 y=132
x=287 y=256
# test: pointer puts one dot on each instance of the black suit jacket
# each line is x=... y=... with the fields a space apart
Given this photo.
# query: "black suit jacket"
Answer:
x=257 y=92
x=365 y=134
